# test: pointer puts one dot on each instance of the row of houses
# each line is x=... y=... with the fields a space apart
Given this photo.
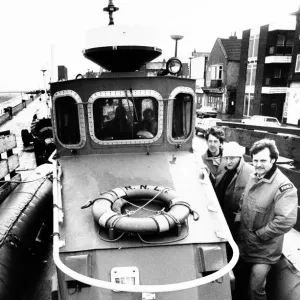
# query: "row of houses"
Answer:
x=258 y=74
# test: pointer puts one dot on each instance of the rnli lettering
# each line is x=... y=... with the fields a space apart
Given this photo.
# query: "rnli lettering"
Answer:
x=285 y=187
x=128 y=188
x=156 y=189
x=143 y=187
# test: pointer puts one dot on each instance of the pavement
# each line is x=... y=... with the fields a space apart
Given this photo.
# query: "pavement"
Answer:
x=20 y=121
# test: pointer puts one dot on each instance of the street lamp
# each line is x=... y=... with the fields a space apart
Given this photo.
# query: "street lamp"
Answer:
x=190 y=58
x=176 y=38
x=44 y=78
x=46 y=94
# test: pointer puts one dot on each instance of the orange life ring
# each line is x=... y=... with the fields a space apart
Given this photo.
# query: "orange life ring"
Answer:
x=108 y=217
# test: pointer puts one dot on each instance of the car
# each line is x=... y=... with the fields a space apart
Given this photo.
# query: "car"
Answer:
x=261 y=121
x=202 y=125
x=206 y=112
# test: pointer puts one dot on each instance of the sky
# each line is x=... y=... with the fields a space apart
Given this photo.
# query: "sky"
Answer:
x=30 y=30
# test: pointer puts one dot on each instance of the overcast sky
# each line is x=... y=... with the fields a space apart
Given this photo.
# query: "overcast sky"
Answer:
x=29 y=27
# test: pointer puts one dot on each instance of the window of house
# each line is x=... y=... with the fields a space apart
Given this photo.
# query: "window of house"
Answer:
x=251 y=74
x=253 y=45
x=217 y=72
x=289 y=43
x=290 y=39
x=280 y=40
x=248 y=105
x=297 y=68
x=277 y=73
x=272 y=50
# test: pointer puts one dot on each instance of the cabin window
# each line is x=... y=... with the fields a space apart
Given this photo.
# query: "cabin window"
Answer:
x=121 y=118
x=67 y=120
x=182 y=116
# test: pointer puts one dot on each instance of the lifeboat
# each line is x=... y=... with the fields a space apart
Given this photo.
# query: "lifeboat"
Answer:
x=22 y=215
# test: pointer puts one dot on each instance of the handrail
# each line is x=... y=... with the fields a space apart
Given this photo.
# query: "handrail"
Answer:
x=271 y=129
x=57 y=243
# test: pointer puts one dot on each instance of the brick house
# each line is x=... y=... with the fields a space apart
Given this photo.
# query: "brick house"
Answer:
x=222 y=74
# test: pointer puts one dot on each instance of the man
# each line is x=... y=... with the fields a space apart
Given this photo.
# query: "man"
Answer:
x=231 y=184
x=149 y=123
x=212 y=158
x=268 y=211
x=119 y=127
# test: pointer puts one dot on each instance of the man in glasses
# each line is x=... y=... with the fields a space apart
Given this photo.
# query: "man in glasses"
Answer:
x=268 y=211
x=231 y=184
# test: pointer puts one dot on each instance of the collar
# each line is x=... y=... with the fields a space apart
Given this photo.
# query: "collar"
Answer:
x=268 y=175
x=209 y=154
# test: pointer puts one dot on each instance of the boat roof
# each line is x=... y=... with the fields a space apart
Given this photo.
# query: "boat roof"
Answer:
x=121 y=35
x=121 y=48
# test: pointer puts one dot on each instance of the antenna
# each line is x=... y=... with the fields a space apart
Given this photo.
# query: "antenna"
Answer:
x=110 y=9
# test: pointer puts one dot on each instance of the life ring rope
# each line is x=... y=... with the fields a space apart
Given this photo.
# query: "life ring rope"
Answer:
x=141 y=207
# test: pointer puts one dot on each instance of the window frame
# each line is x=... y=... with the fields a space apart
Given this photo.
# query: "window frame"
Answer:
x=216 y=71
x=297 y=64
x=176 y=91
x=250 y=98
x=122 y=94
x=253 y=46
x=81 y=121
x=252 y=67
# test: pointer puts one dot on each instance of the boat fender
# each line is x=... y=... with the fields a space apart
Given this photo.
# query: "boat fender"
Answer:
x=106 y=209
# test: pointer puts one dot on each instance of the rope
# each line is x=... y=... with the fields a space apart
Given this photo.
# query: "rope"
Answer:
x=26 y=181
x=164 y=213
x=142 y=207
x=111 y=240
x=147 y=209
x=91 y=202
x=192 y=212
x=136 y=115
x=55 y=205
x=164 y=242
x=130 y=110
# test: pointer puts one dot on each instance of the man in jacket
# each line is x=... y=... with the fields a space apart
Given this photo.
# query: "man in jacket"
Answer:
x=212 y=158
x=268 y=211
x=231 y=184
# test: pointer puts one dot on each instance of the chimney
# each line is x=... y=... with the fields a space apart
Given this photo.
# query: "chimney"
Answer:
x=233 y=37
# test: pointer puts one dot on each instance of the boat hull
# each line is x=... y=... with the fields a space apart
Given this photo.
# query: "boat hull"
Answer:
x=21 y=216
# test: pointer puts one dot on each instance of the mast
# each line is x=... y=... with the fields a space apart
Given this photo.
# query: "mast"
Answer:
x=110 y=9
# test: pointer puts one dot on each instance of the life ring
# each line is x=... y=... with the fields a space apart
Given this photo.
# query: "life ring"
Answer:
x=108 y=216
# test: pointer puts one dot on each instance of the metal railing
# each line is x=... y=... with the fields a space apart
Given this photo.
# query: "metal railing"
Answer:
x=11 y=111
